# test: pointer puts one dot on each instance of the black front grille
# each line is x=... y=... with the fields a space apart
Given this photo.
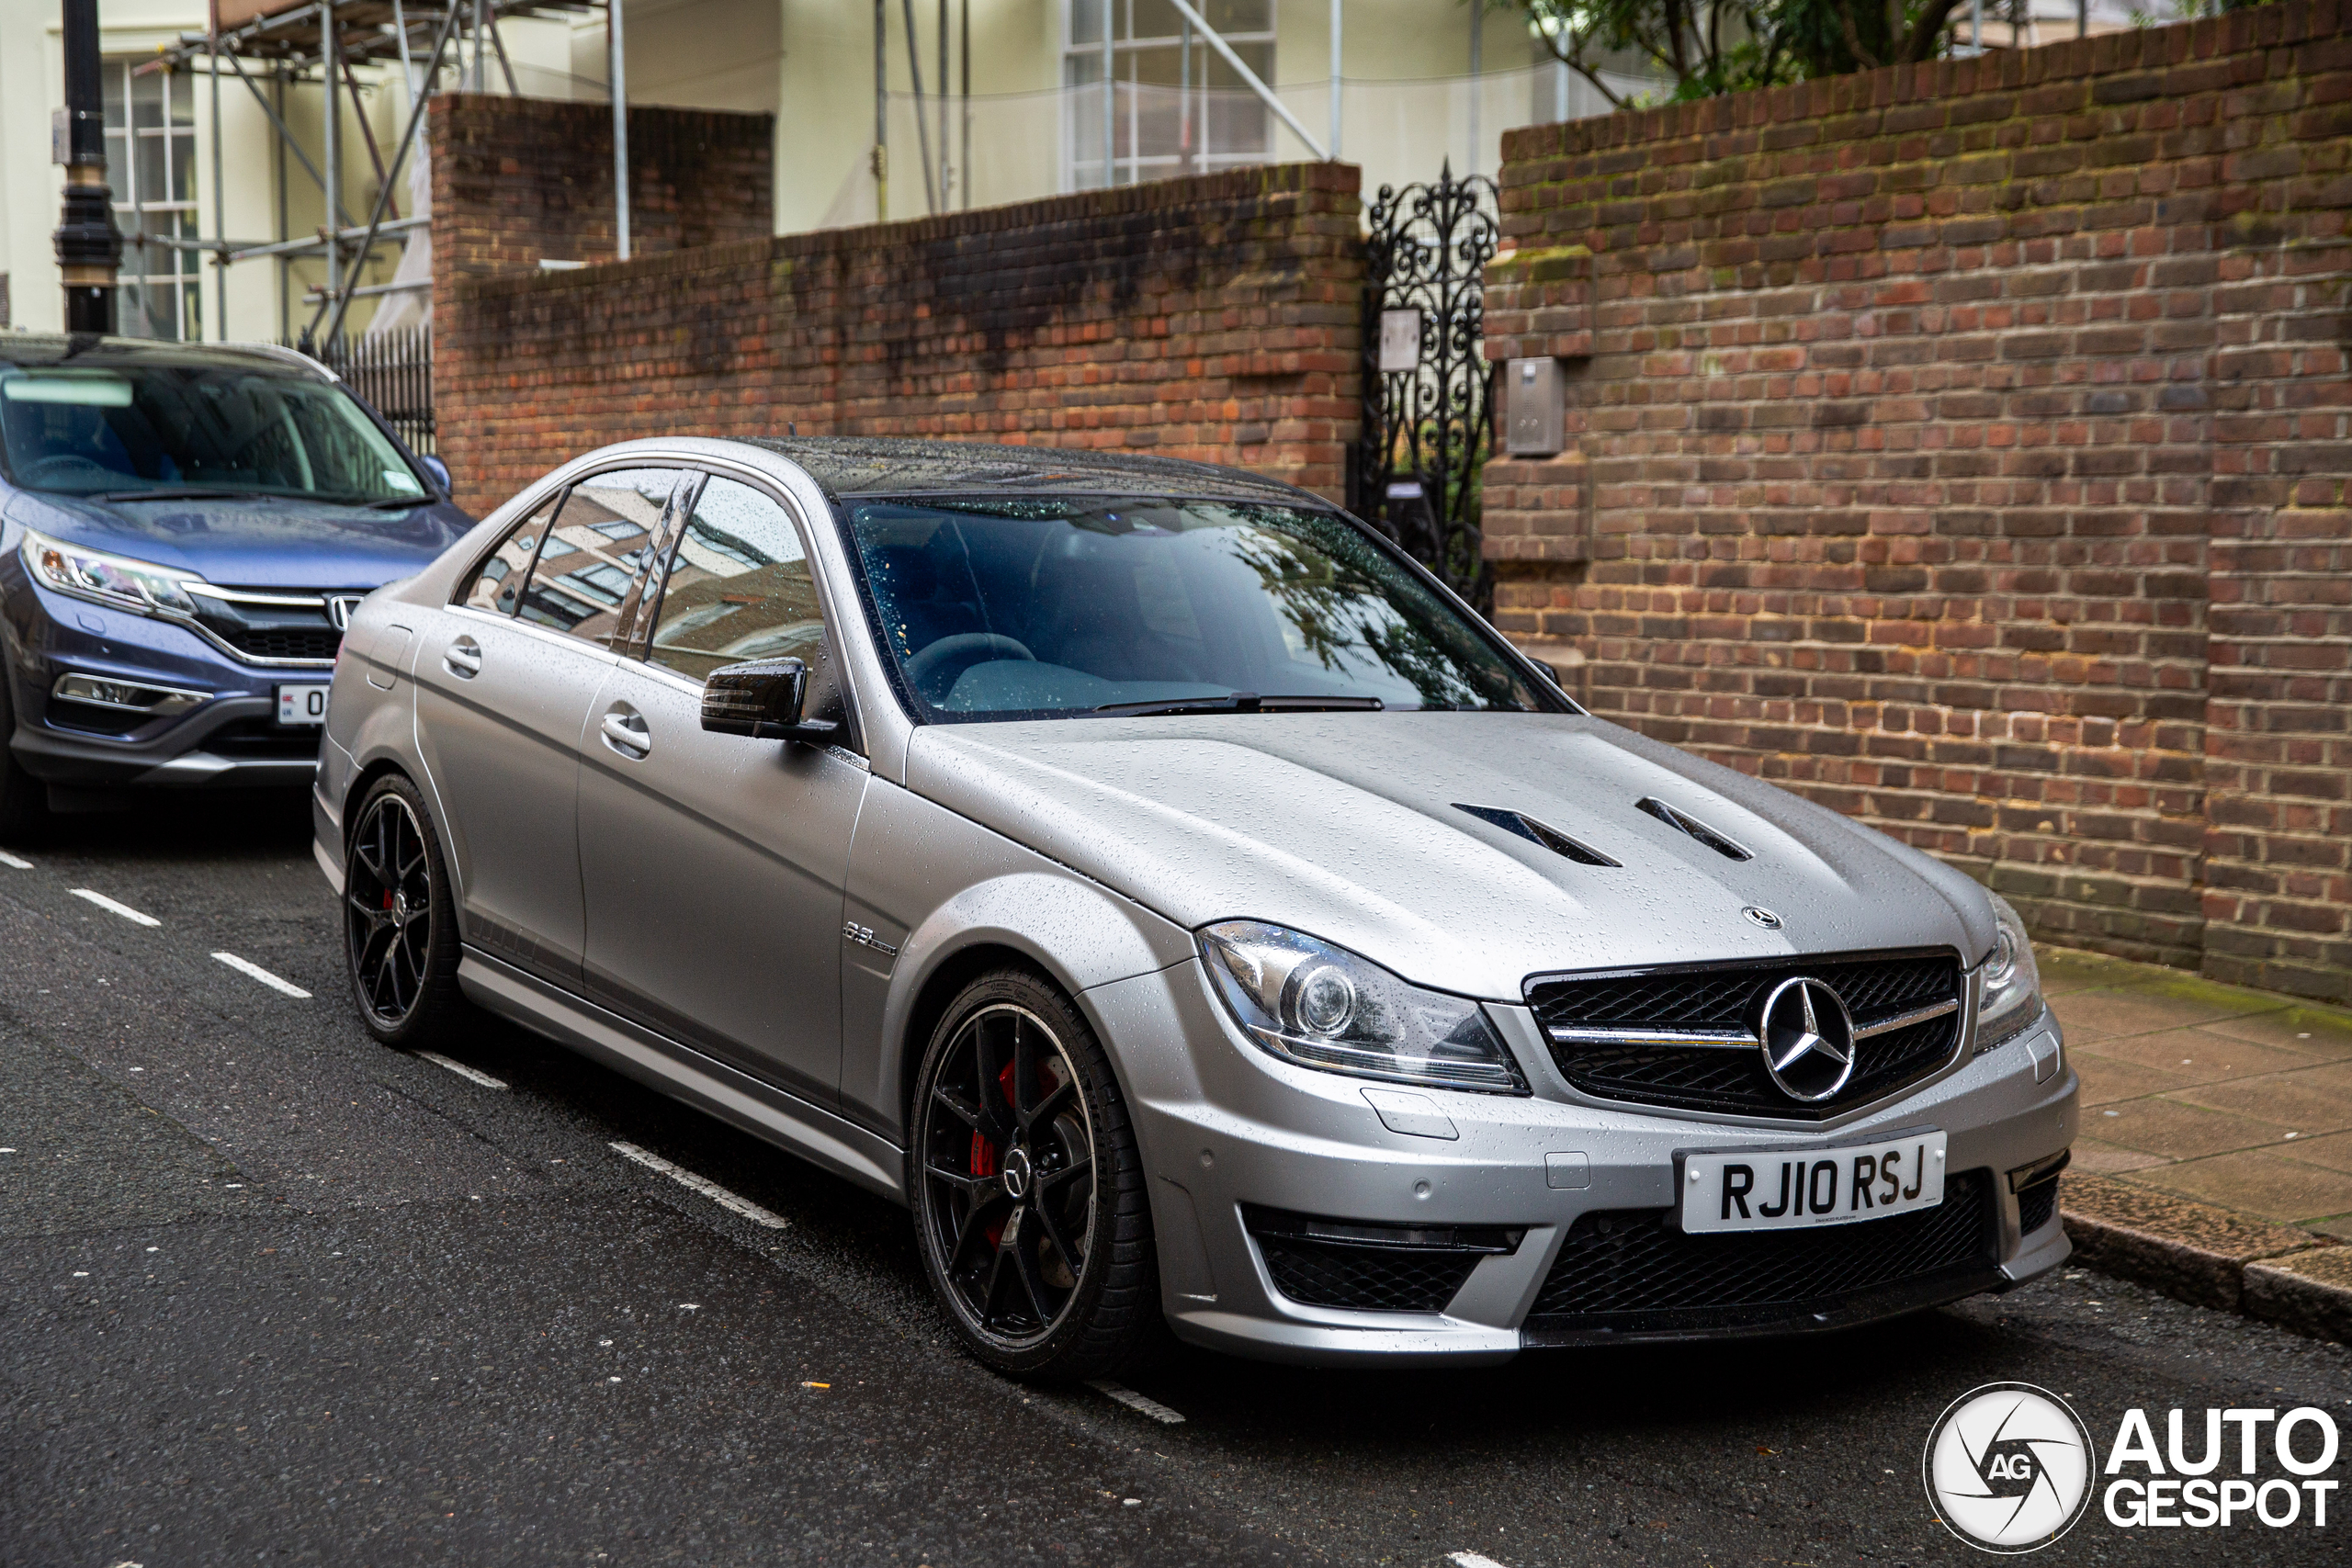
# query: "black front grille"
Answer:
x=271 y=632
x=1362 y=1268
x=1730 y=1080
x=1631 y=1273
x=2036 y=1205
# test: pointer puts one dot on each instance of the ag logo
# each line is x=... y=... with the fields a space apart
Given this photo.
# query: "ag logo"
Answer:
x=2009 y=1467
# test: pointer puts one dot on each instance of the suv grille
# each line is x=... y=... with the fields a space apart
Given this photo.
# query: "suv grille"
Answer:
x=1732 y=1079
x=271 y=633
x=1631 y=1273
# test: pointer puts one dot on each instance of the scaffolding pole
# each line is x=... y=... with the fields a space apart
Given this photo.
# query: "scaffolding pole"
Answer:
x=327 y=44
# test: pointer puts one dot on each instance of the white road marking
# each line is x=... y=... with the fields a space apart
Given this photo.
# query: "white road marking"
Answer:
x=708 y=1189
x=1471 y=1559
x=8 y=859
x=471 y=1075
x=125 y=910
x=247 y=966
x=1135 y=1401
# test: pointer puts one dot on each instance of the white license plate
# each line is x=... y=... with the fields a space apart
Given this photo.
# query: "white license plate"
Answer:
x=1790 y=1189
x=302 y=704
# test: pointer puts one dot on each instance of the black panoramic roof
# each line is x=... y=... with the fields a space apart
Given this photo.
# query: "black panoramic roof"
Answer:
x=89 y=349
x=871 y=466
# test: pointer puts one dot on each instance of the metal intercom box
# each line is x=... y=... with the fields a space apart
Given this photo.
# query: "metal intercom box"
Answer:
x=1535 y=408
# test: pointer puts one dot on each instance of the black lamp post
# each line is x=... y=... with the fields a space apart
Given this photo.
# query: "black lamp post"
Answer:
x=89 y=248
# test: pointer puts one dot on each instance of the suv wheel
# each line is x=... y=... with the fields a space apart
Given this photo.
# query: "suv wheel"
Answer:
x=1028 y=1191
x=400 y=927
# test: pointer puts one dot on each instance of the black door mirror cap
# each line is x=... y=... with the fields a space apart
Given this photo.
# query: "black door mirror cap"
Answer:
x=761 y=698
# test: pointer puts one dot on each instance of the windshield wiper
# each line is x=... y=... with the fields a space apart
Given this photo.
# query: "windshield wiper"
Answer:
x=182 y=494
x=1243 y=702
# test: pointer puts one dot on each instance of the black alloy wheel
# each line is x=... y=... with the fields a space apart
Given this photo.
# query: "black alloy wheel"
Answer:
x=1028 y=1191
x=399 y=930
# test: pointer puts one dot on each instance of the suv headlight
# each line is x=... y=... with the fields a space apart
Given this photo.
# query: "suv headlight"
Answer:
x=2010 y=1002
x=135 y=585
x=1320 y=1005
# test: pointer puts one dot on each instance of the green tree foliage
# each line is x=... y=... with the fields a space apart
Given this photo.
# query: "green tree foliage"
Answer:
x=1707 y=47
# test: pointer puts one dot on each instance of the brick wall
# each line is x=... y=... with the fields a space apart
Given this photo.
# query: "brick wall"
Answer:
x=515 y=180
x=1965 y=446
x=1216 y=318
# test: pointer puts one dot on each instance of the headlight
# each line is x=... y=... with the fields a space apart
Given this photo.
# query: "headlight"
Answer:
x=135 y=585
x=1319 y=1006
x=2010 y=1002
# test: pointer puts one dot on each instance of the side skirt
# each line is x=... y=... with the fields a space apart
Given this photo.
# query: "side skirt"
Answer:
x=733 y=1097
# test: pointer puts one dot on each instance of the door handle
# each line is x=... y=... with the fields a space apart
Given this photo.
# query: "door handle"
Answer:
x=627 y=734
x=464 y=658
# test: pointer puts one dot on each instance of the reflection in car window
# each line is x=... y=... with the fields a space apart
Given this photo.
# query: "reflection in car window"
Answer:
x=1052 y=607
x=741 y=588
x=600 y=541
x=498 y=585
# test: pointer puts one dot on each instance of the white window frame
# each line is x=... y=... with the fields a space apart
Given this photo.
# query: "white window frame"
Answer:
x=1135 y=164
x=148 y=269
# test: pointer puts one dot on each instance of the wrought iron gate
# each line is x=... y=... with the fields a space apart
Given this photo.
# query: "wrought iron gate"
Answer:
x=1426 y=424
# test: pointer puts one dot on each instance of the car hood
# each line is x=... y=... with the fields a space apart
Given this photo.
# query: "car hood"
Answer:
x=254 y=544
x=1347 y=826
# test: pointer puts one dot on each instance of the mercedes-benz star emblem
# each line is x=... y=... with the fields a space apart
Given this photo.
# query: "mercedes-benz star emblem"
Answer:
x=1764 y=918
x=1808 y=1039
x=1016 y=1173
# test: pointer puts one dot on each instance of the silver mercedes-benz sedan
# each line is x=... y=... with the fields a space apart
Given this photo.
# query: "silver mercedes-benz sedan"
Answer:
x=1183 y=905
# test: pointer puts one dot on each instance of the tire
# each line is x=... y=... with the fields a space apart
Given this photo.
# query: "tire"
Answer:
x=24 y=799
x=1030 y=1209
x=400 y=925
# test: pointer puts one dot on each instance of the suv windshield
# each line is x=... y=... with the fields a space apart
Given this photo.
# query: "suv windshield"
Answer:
x=1057 y=608
x=123 y=430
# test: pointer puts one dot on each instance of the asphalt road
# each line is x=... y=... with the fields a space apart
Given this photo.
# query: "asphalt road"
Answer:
x=271 y=1292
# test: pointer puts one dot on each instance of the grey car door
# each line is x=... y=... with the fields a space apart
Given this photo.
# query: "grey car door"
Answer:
x=713 y=864
x=503 y=683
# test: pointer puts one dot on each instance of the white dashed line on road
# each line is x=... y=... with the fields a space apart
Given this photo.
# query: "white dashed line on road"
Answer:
x=8 y=859
x=247 y=966
x=710 y=1189
x=1471 y=1559
x=108 y=905
x=471 y=1075
x=1135 y=1401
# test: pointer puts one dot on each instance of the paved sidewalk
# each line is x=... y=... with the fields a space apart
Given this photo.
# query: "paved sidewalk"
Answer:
x=2230 y=1097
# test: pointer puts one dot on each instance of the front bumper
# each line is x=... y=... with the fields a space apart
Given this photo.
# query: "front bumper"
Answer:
x=232 y=741
x=1229 y=1133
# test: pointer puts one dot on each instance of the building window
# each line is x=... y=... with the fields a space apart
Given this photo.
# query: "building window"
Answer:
x=151 y=167
x=1177 y=109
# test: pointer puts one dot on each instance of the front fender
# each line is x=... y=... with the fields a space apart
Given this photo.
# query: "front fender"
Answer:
x=944 y=891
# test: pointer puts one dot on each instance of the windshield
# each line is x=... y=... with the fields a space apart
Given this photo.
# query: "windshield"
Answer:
x=1003 y=609
x=128 y=430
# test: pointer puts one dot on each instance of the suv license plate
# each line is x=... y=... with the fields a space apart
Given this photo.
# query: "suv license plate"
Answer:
x=302 y=704
x=1769 y=1189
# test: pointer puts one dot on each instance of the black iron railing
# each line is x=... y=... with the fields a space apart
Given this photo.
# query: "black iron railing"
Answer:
x=392 y=371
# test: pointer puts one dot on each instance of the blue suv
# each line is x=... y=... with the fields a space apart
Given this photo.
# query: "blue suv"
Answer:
x=184 y=532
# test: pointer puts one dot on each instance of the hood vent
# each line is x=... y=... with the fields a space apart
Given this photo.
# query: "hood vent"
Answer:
x=1535 y=833
x=1689 y=824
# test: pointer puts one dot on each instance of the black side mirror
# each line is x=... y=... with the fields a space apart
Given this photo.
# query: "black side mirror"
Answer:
x=762 y=699
x=1551 y=672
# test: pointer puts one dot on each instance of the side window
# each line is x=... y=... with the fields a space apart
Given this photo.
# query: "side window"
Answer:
x=497 y=586
x=741 y=588
x=599 y=544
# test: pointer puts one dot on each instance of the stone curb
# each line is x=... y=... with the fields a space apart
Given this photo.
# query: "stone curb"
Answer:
x=2210 y=1256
